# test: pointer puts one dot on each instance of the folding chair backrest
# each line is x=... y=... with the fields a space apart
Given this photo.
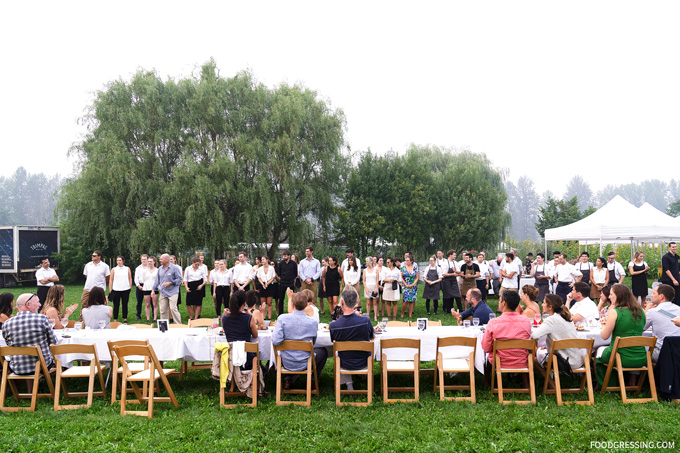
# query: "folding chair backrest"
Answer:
x=573 y=343
x=629 y=342
x=295 y=345
x=33 y=351
x=138 y=351
x=58 y=349
x=398 y=324
x=443 y=342
x=201 y=322
x=433 y=323
x=366 y=346
x=410 y=343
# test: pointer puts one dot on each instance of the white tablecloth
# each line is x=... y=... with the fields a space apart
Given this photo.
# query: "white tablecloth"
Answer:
x=174 y=344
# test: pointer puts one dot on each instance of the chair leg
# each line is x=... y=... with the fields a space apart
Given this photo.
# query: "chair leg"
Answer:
x=90 y=387
x=589 y=382
x=149 y=408
x=3 y=386
x=556 y=380
x=650 y=372
x=114 y=382
x=532 y=385
x=622 y=382
x=57 y=388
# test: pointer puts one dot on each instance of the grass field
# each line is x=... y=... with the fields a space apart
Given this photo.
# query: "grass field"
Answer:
x=200 y=424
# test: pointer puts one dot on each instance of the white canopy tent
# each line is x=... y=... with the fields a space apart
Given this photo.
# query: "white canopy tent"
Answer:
x=616 y=222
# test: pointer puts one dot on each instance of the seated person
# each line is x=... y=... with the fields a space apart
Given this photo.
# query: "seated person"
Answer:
x=6 y=307
x=509 y=326
x=528 y=296
x=258 y=315
x=97 y=310
x=478 y=308
x=298 y=326
x=557 y=326
x=604 y=304
x=626 y=318
x=29 y=328
x=240 y=326
x=311 y=309
x=584 y=311
x=661 y=324
x=54 y=306
x=351 y=327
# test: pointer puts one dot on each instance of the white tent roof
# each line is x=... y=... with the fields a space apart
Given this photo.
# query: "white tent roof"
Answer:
x=648 y=224
x=617 y=212
x=619 y=221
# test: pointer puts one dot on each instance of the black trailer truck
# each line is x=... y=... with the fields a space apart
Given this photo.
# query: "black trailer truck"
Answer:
x=21 y=249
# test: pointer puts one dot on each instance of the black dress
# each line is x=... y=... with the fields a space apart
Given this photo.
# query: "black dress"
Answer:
x=639 y=281
x=332 y=281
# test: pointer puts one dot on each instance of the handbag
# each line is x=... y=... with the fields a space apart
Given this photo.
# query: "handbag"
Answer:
x=394 y=285
x=374 y=294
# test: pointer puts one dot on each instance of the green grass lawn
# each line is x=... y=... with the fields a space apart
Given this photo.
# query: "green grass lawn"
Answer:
x=200 y=424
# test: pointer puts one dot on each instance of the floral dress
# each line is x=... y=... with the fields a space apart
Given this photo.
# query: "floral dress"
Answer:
x=410 y=294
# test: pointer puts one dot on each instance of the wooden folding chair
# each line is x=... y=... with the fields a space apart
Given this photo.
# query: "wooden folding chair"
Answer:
x=201 y=322
x=432 y=324
x=455 y=365
x=233 y=390
x=115 y=324
x=294 y=345
x=630 y=342
x=8 y=376
x=141 y=326
x=149 y=376
x=179 y=326
x=91 y=371
x=586 y=380
x=400 y=367
x=398 y=323
x=117 y=370
x=497 y=370
x=365 y=346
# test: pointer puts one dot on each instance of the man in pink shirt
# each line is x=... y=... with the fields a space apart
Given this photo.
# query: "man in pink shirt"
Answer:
x=509 y=326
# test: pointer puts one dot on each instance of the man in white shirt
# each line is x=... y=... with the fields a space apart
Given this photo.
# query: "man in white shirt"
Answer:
x=584 y=310
x=616 y=271
x=565 y=275
x=139 y=284
x=97 y=273
x=518 y=264
x=508 y=274
x=242 y=273
x=46 y=277
x=309 y=271
x=657 y=312
x=345 y=263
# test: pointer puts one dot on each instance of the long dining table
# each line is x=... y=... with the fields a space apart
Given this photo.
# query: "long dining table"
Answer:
x=198 y=344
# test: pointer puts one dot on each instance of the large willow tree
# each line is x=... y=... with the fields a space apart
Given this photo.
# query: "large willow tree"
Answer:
x=202 y=162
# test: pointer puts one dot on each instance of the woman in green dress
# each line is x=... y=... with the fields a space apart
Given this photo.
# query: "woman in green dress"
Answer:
x=625 y=318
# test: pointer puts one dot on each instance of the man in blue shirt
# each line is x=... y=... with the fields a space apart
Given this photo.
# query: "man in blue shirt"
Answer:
x=298 y=326
x=351 y=327
x=310 y=271
x=168 y=279
x=478 y=309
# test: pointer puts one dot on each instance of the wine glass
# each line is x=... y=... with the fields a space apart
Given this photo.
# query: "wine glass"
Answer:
x=466 y=323
x=64 y=321
x=53 y=322
x=537 y=319
x=383 y=323
x=475 y=322
x=101 y=323
x=78 y=326
x=492 y=316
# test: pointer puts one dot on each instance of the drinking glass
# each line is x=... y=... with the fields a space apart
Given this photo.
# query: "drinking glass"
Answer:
x=102 y=323
x=78 y=326
x=537 y=318
x=466 y=323
x=53 y=323
x=545 y=316
x=64 y=322
x=475 y=322
x=492 y=316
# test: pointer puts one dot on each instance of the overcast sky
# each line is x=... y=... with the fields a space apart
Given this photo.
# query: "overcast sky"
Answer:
x=546 y=89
